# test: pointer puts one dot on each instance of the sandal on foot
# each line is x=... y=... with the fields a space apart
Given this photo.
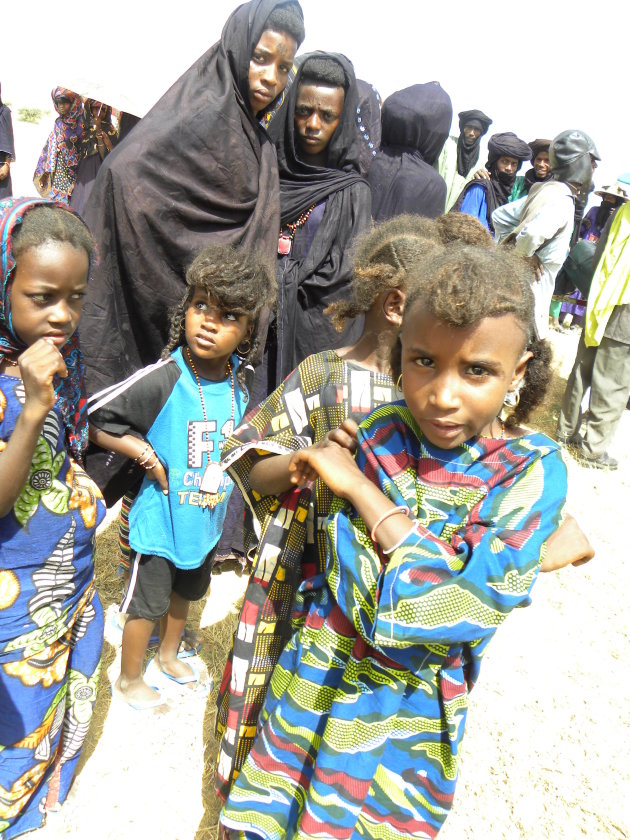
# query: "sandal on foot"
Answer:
x=193 y=679
x=140 y=705
x=190 y=645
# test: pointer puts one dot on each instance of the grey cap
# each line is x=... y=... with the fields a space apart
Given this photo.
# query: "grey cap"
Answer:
x=570 y=157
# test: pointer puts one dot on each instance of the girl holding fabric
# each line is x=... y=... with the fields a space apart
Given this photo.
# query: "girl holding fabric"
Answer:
x=437 y=534
x=289 y=545
x=56 y=169
x=51 y=621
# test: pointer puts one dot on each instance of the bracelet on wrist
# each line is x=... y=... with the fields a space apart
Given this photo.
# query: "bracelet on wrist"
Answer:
x=399 y=509
x=147 y=446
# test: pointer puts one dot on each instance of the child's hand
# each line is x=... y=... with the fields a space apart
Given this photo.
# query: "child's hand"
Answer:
x=345 y=436
x=38 y=364
x=568 y=545
x=158 y=473
x=334 y=464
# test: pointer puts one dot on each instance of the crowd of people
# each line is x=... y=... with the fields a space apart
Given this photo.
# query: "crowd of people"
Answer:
x=287 y=287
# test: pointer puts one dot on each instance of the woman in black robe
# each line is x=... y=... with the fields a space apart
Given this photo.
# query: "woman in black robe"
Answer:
x=415 y=125
x=198 y=168
x=325 y=203
x=7 y=150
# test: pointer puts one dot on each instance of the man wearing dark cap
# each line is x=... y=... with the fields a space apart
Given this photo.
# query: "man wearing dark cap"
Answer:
x=538 y=174
x=460 y=158
x=540 y=225
x=481 y=196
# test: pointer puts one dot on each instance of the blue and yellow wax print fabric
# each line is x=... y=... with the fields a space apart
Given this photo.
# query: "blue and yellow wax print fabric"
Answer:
x=290 y=540
x=366 y=709
x=51 y=623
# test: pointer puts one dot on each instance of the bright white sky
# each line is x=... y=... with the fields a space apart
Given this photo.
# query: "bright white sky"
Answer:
x=536 y=70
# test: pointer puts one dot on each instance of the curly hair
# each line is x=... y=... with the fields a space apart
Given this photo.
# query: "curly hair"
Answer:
x=239 y=281
x=323 y=71
x=45 y=223
x=465 y=229
x=287 y=17
x=465 y=284
x=382 y=260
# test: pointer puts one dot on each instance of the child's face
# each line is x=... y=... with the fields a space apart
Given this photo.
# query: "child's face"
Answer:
x=48 y=289
x=63 y=105
x=455 y=378
x=212 y=333
x=269 y=68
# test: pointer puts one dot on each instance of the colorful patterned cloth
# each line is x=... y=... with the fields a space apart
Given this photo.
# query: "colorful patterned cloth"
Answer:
x=57 y=165
x=289 y=542
x=51 y=623
x=71 y=396
x=366 y=708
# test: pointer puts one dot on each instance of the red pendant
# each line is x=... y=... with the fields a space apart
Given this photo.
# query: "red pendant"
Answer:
x=284 y=245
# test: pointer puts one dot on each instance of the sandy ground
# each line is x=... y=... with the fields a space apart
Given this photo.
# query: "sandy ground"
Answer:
x=546 y=753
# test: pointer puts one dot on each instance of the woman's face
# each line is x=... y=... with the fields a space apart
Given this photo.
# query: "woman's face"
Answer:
x=269 y=68
x=542 y=167
x=455 y=378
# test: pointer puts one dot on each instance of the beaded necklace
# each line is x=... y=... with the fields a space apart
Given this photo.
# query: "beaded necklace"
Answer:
x=286 y=239
x=213 y=474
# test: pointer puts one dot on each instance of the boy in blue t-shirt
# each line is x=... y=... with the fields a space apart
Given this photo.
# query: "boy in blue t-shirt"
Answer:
x=172 y=418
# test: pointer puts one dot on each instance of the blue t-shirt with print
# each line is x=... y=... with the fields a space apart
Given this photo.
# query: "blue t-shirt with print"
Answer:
x=185 y=525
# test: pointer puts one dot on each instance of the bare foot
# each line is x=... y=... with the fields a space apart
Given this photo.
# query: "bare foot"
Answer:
x=138 y=694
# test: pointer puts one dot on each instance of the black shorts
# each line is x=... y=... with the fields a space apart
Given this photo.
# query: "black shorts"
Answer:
x=153 y=578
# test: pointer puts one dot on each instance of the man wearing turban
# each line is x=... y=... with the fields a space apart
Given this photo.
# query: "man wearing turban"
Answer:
x=540 y=226
x=461 y=156
x=481 y=196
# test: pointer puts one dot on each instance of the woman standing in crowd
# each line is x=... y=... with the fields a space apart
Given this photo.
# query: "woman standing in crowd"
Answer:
x=7 y=150
x=56 y=170
x=99 y=138
x=197 y=169
x=324 y=204
x=415 y=124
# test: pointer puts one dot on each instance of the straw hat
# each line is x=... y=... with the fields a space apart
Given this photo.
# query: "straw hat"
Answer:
x=615 y=190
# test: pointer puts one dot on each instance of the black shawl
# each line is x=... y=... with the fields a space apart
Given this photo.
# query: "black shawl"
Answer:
x=302 y=185
x=197 y=169
x=368 y=124
x=415 y=125
x=316 y=272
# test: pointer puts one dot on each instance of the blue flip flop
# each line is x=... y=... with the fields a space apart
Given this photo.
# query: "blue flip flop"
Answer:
x=194 y=678
x=142 y=705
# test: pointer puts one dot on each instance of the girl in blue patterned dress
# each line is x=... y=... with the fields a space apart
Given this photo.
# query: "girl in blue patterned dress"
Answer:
x=51 y=621
x=438 y=532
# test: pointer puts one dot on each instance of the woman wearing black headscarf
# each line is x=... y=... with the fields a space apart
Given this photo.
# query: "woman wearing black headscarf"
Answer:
x=325 y=204
x=198 y=168
x=7 y=150
x=415 y=124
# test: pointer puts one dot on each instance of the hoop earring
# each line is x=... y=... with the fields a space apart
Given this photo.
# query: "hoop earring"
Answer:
x=399 y=383
x=512 y=398
x=241 y=351
x=182 y=325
